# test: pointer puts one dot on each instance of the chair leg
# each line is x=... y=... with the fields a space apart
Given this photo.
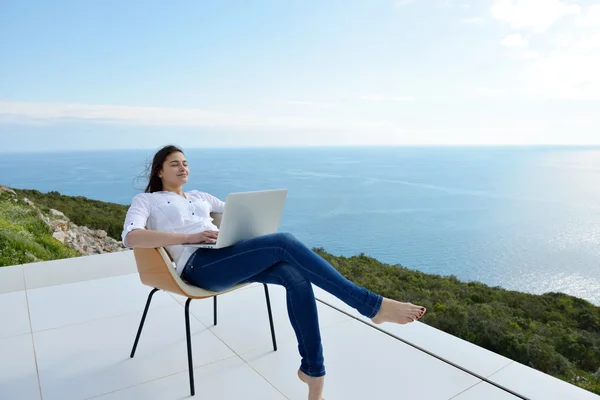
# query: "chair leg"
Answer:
x=189 y=346
x=139 y=332
x=270 y=317
x=215 y=308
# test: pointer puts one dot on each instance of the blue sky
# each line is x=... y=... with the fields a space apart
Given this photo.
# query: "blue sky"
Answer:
x=132 y=74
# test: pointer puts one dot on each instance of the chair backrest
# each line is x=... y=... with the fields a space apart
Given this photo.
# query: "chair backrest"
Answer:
x=157 y=270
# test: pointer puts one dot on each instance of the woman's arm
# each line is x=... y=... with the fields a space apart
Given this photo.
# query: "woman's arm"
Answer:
x=135 y=233
x=151 y=239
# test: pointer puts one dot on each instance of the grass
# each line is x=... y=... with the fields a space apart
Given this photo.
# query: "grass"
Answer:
x=24 y=237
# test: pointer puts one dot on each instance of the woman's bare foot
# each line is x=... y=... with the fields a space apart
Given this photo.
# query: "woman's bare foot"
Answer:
x=315 y=385
x=400 y=313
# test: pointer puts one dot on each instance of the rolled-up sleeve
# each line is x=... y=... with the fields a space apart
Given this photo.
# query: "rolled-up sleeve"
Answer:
x=137 y=216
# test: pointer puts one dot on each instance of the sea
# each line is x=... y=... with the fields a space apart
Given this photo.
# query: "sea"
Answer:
x=522 y=218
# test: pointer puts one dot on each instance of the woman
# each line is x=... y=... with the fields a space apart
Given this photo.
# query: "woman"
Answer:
x=166 y=216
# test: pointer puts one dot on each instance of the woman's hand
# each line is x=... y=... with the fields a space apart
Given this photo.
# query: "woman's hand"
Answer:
x=202 y=237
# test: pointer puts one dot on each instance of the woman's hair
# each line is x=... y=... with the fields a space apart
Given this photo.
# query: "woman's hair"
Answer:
x=154 y=182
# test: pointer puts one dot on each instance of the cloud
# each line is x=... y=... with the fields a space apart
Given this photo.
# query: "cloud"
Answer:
x=309 y=104
x=472 y=21
x=52 y=113
x=487 y=91
x=403 y=3
x=109 y=113
x=591 y=18
x=569 y=72
x=515 y=40
x=563 y=63
x=388 y=98
x=536 y=16
x=524 y=55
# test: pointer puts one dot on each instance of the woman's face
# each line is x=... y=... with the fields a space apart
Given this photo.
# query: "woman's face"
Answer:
x=174 y=171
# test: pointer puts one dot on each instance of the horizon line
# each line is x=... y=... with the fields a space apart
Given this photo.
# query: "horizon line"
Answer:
x=314 y=147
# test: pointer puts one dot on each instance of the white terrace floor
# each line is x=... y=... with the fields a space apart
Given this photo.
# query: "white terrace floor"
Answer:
x=67 y=327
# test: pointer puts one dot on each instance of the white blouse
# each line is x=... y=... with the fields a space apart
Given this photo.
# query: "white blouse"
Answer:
x=169 y=212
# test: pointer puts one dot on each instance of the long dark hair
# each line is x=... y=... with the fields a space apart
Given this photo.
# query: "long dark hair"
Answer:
x=154 y=182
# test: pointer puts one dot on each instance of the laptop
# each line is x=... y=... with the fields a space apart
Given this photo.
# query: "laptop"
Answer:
x=248 y=215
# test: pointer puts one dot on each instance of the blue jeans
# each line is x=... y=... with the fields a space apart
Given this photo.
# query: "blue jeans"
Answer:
x=283 y=260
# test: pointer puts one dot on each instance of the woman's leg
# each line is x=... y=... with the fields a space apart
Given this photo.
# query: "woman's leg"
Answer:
x=302 y=311
x=280 y=257
x=219 y=269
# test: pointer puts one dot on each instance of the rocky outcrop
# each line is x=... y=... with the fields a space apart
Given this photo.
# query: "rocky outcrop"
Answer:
x=8 y=190
x=579 y=379
x=84 y=240
x=80 y=238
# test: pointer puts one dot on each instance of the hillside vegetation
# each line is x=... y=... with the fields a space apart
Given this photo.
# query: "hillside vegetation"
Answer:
x=24 y=236
x=94 y=214
x=554 y=333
